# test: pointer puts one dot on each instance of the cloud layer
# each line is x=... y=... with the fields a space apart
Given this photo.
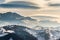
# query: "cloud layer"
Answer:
x=55 y=4
x=20 y=4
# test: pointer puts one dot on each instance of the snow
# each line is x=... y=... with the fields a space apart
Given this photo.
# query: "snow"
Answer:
x=1 y=35
x=34 y=33
x=10 y=39
x=10 y=31
x=54 y=35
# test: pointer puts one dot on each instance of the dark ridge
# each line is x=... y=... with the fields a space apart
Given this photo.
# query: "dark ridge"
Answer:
x=20 y=32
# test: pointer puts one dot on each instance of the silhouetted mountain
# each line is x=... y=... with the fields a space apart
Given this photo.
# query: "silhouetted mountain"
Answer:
x=13 y=16
x=21 y=32
x=9 y=16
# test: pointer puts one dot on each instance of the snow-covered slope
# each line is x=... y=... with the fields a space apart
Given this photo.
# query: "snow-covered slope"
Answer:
x=42 y=34
x=21 y=31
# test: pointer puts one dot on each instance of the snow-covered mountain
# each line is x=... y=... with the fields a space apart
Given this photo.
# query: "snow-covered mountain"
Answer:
x=32 y=26
x=42 y=34
x=21 y=31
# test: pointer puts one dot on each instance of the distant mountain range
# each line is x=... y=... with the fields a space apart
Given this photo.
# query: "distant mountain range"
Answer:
x=13 y=16
x=9 y=18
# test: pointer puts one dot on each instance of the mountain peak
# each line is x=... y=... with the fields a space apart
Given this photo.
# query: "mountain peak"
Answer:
x=12 y=13
x=9 y=16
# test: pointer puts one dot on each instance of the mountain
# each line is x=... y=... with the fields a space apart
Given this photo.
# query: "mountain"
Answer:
x=43 y=17
x=31 y=34
x=26 y=33
x=9 y=16
x=13 y=16
x=21 y=31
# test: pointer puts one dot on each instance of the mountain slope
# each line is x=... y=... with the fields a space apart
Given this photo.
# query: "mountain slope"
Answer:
x=12 y=16
x=20 y=30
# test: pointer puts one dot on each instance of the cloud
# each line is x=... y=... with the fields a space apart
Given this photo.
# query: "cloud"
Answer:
x=44 y=17
x=54 y=4
x=38 y=18
x=9 y=18
x=20 y=4
x=46 y=0
x=49 y=23
x=2 y=1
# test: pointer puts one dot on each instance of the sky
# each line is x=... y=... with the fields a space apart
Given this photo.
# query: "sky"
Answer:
x=44 y=9
x=43 y=4
x=37 y=8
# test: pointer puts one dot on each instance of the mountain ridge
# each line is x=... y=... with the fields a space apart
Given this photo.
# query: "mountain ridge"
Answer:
x=13 y=16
